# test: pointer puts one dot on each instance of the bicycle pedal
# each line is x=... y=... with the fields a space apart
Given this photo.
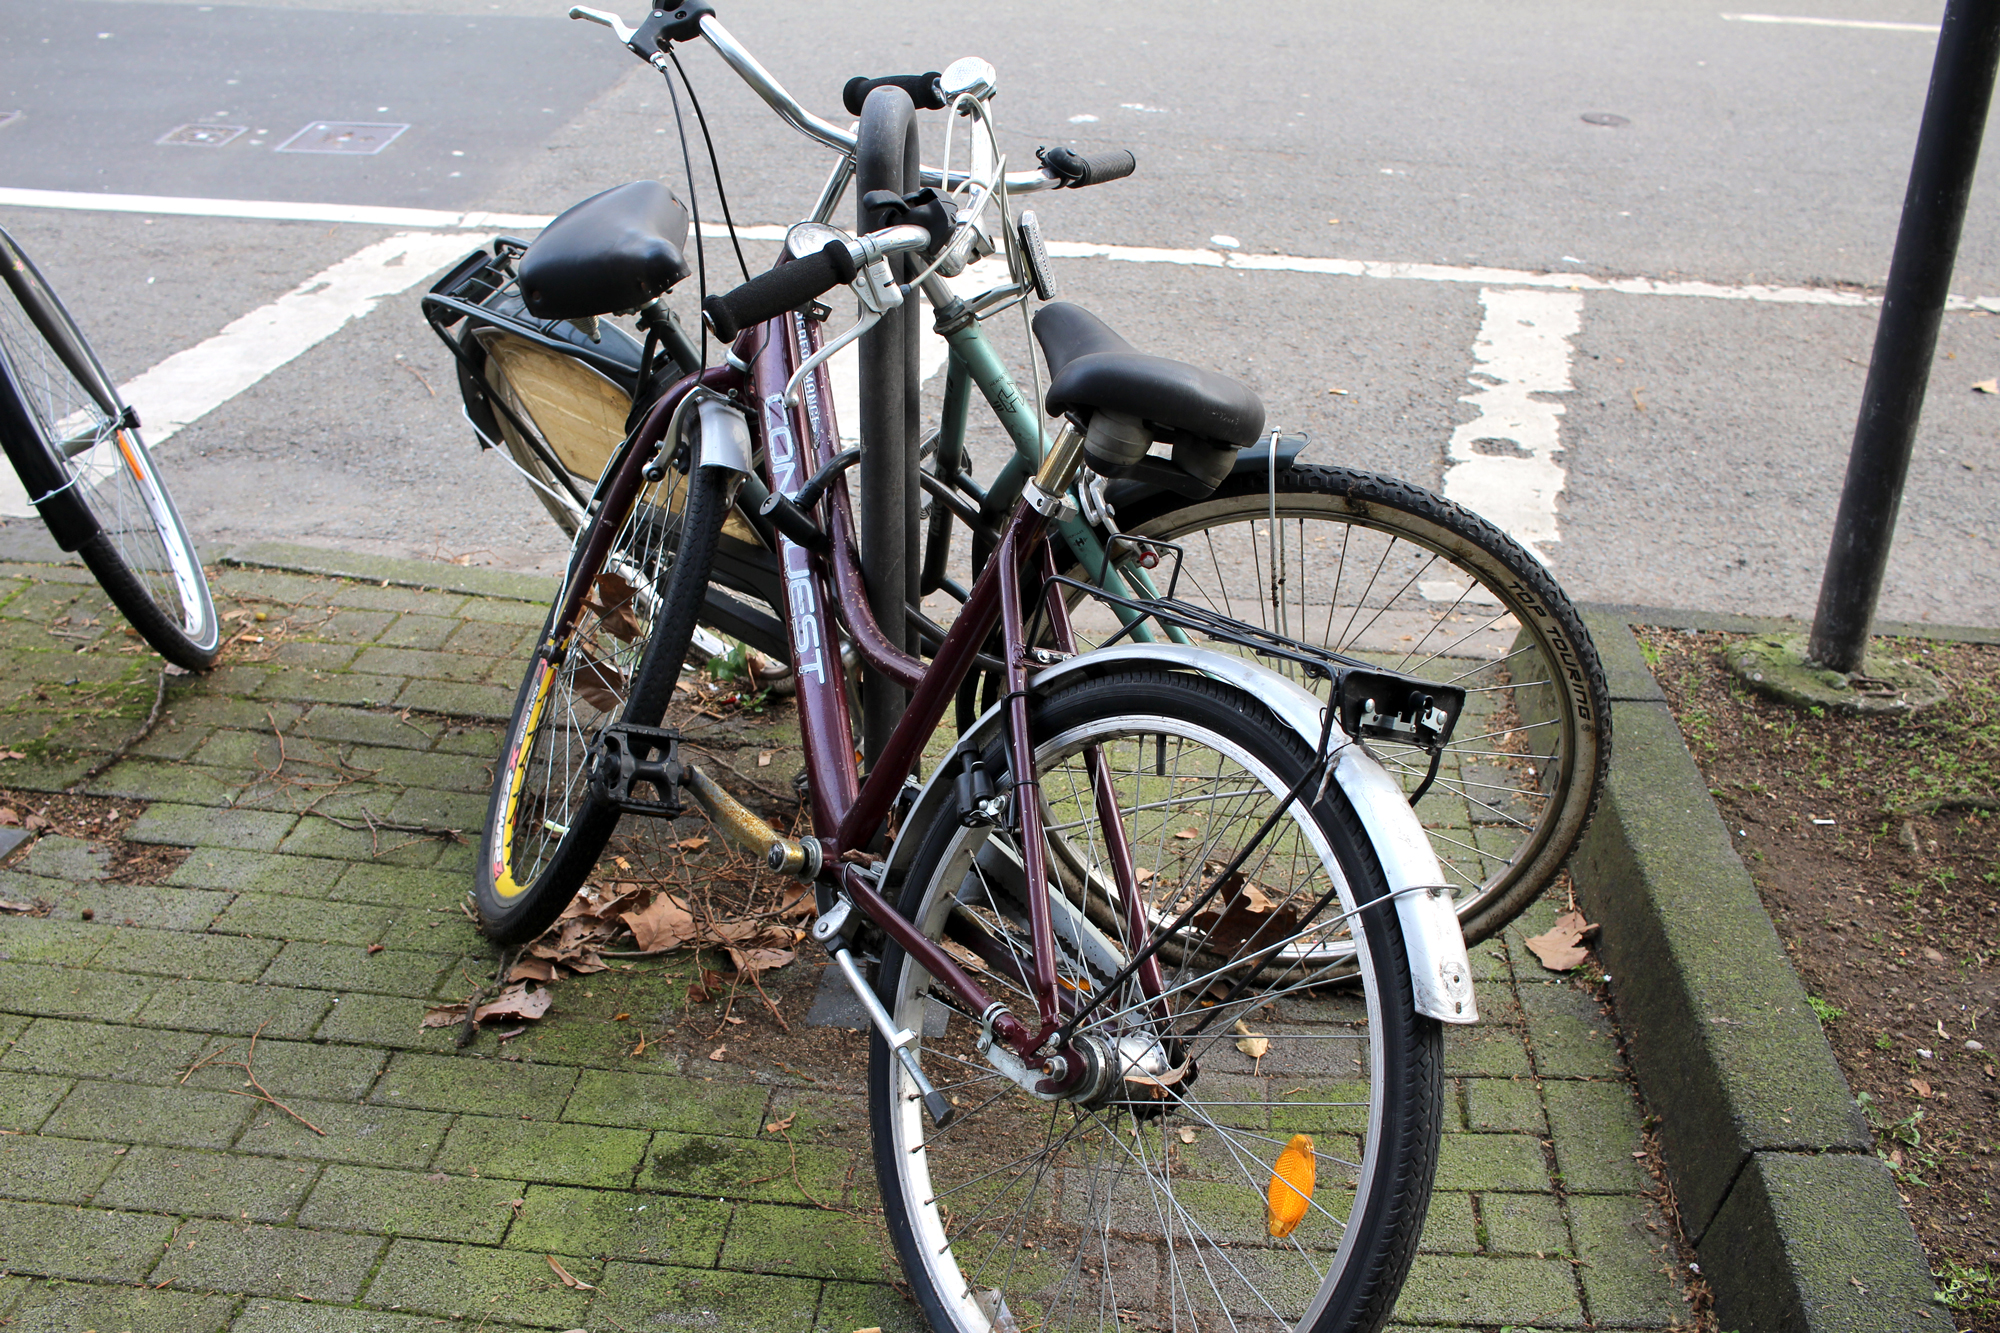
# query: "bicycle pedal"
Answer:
x=624 y=757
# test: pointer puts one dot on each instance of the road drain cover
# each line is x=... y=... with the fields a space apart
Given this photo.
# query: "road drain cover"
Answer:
x=201 y=136
x=342 y=136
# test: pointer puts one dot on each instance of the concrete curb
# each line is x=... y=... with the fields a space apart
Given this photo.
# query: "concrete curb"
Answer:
x=1796 y=1222
x=294 y=558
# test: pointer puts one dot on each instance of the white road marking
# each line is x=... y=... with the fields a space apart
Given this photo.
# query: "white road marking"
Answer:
x=1881 y=25
x=1522 y=355
x=1131 y=254
x=190 y=384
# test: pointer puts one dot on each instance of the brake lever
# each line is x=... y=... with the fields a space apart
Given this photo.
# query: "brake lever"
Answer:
x=604 y=19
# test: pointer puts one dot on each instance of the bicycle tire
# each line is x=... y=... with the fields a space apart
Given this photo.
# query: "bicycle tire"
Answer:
x=1040 y=1210
x=1521 y=779
x=99 y=489
x=617 y=659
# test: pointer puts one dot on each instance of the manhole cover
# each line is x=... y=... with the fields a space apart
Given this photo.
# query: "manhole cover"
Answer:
x=201 y=136
x=341 y=136
x=1604 y=118
x=8 y=118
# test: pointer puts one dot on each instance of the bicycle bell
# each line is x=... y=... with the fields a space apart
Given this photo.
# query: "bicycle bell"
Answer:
x=968 y=75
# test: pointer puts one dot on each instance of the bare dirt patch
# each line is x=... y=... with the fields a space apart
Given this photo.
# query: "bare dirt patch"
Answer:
x=98 y=820
x=1875 y=844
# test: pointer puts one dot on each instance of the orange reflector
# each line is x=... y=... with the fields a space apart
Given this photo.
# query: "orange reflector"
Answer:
x=131 y=459
x=1291 y=1185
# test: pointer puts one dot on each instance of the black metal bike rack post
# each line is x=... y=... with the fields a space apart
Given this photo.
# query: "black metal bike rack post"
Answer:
x=1947 y=153
x=887 y=159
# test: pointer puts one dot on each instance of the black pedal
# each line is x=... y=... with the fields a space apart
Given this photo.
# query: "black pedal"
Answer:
x=624 y=758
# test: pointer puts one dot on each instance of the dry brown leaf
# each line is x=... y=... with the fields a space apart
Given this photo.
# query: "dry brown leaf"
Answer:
x=1987 y=386
x=1560 y=947
x=1188 y=833
x=1252 y=1044
x=35 y=823
x=517 y=1001
x=692 y=844
x=443 y=1016
x=9 y=816
x=614 y=608
x=532 y=969
x=665 y=924
x=718 y=1053
x=780 y=1126
x=28 y=909
x=374 y=949
x=12 y=754
x=751 y=962
x=575 y=1284
x=1921 y=1087
x=1187 y=1134
x=597 y=682
x=763 y=758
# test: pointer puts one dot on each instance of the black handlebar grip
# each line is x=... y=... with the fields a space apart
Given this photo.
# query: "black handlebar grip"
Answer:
x=922 y=88
x=1078 y=171
x=786 y=287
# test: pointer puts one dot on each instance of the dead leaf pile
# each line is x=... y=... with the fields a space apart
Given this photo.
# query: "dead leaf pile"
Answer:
x=659 y=921
x=1561 y=946
x=516 y=1002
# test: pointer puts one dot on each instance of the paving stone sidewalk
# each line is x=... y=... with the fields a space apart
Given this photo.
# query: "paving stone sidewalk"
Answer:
x=261 y=891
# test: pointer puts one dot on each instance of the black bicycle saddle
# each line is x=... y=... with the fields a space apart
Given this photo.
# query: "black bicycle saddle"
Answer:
x=614 y=251
x=1092 y=368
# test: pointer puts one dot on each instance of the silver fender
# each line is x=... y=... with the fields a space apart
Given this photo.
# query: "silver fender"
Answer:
x=1439 y=968
x=725 y=435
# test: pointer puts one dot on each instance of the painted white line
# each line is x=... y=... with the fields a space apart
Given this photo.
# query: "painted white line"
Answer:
x=1130 y=254
x=189 y=384
x=1878 y=25
x=1502 y=464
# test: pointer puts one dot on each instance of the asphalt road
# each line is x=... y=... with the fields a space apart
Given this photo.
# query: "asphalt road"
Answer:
x=1701 y=439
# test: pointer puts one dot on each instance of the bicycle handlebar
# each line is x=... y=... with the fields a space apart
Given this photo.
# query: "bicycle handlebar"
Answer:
x=738 y=58
x=922 y=88
x=1077 y=170
x=774 y=291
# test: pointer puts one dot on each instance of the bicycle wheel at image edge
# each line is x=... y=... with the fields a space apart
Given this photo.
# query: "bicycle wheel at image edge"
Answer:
x=617 y=660
x=72 y=443
x=1281 y=1176
x=1404 y=578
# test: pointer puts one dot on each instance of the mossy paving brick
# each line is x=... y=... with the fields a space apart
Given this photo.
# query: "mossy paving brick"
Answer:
x=410 y=768
x=53 y=1240
x=261 y=750
x=291 y=1068
x=664 y=1101
x=52 y=1170
x=1596 y=1131
x=304 y=686
x=484 y=1086
x=180 y=953
x=104 y=1050
x=169 y=741
x=419 y=665
x=745 y=1169
x=314 y=656
x=646 y=1296
x=212 y=709
x=352 y=968
x=404 y=601
x=1504 y=1104
x=383 y=1020
x=354 y=624
x=235 y=582
x=461 y=810
x=207 y=1184
x=283 y=917
x=1482 y=1051
x=845 y=1306
x=322 y=837
x=48 y=940
x=417 y=630
x=66 y=858
x=233 y=1008
x=809 y=1242
x=368 y=1135
x=1533 y=1293
x=819 y=1116
x=621 y=1224
x=129 y=1113
x=1524 y=1224
x=479 y=1283
x=1449 y=1227
x=178 y=782
x=222 y=868
x=578 y=1041
x=194 y=826
x=458 y=699
x=300 y=1317
x=532 y=614
x=354 y=803
x=539 y=1151
x=493 y=640
x=400 y=886
x=359 y=726
x=1491 y=1162
x=63 y=992
x=1627 y=1254
x=130 y=904
x=477 y=740
x=265 y=1260
x=1498 y=1006
x=64 y=1307
x=427 y=1205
